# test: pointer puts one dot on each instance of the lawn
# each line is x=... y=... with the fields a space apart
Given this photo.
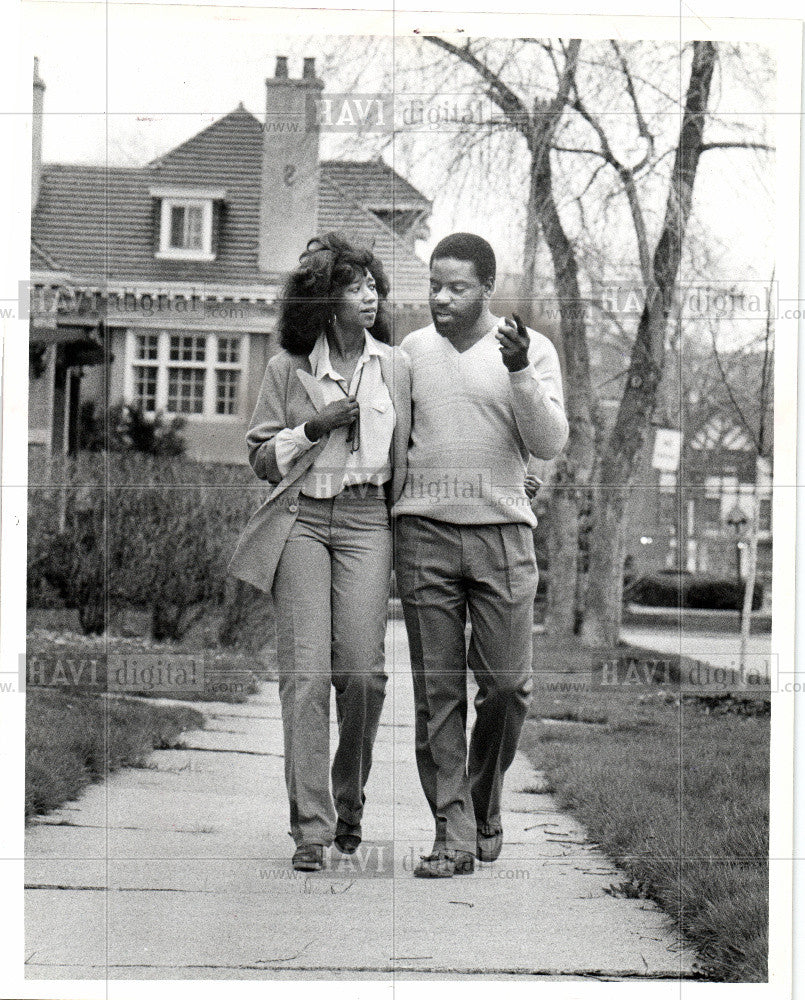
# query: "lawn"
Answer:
x=76 y=733
x=73 y=739
x=69 y=660
x=677 y=793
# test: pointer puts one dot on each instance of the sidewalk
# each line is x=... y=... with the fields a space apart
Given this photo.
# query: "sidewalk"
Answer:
x=182 y=871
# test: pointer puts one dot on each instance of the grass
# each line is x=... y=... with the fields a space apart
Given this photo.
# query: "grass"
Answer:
x=73 y=739
x=71 y=661
x=677 y=795
x=75 y=734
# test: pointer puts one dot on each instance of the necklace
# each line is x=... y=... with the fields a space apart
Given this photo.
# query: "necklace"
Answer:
x=354 y=432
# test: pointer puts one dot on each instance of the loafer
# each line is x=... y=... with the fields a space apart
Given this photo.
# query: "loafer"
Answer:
x=445 y=864
x=308 y=858
x=347 y=837
x=488 y=843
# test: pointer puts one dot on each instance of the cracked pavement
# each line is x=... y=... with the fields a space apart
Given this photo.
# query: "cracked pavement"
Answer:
x=181 y=870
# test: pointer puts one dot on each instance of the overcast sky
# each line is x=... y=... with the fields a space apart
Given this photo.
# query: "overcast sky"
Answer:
x=127 y=82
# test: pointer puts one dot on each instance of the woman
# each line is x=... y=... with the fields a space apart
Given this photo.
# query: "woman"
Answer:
x=330 y=429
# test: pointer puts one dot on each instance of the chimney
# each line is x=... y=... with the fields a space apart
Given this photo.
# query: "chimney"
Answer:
x=36 y=131
x=289 y=203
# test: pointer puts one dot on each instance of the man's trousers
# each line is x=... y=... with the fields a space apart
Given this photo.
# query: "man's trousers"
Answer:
x=445 y=572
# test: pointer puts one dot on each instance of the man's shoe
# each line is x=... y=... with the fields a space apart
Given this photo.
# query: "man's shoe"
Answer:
x=347 y=837
x=445 y=864
x=488 y=843
x=308 y=858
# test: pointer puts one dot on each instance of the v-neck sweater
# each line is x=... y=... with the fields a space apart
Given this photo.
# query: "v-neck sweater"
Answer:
x=474 y=425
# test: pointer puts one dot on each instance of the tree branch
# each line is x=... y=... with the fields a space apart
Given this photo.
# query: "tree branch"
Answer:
x=739 y=145
x=642 y=128
x=626 y=175
x=505 y=98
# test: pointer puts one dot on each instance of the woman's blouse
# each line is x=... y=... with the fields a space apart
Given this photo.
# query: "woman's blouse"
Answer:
x=337 y=465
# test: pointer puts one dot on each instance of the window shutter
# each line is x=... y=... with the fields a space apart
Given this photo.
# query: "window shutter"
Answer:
x=156 y=220
x=217 y=212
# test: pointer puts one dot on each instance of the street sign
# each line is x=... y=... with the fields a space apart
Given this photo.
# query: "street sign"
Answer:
x=667 y=449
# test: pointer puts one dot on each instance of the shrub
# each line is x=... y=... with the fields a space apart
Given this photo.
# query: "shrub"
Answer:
x=688 y=590
x=128 y=428
x=159 y=534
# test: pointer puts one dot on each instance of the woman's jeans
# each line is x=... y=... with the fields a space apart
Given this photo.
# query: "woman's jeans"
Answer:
x=331 y=594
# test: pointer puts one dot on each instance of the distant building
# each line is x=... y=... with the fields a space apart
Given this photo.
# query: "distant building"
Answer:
x=158 y=284
x=702 y=527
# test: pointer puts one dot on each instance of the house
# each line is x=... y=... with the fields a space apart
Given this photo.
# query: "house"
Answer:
x=697 y=518
x=159 y=284
x=702 y=527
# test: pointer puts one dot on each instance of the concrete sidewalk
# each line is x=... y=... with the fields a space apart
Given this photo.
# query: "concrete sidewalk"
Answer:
x=182 y=871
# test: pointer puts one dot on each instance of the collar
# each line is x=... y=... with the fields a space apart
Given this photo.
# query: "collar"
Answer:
x=320 y=356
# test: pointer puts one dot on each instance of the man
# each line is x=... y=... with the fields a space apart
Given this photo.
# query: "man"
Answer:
x=486 y=394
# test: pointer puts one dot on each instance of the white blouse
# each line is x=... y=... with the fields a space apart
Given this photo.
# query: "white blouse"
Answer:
x=337 y=466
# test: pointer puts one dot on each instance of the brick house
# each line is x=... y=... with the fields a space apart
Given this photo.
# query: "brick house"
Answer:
x=158 y=284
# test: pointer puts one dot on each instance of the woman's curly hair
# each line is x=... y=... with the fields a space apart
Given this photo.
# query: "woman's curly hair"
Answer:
x=328 y=265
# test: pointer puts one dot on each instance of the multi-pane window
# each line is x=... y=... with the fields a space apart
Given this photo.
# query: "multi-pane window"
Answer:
x=191 y=347
x=145 y=371
x=186 y=381
x=145 y=387
x=227 y=375
x=226 y=391
x=185 y=390
x=192 y=374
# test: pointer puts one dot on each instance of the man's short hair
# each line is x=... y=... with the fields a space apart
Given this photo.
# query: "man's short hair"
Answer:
x=468 y=246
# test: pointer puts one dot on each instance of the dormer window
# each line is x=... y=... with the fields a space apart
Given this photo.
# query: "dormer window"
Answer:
x=187 y=222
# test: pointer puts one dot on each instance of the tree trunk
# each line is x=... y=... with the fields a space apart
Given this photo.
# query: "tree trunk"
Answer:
x=563 y=549
x=605 y=579
x=601 y=622
x=574 y=466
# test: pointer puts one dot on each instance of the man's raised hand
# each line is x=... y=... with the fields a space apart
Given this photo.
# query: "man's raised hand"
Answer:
x=513 y=341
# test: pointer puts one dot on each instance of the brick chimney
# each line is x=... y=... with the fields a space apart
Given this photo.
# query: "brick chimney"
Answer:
x=290 y=176
x=36 y=131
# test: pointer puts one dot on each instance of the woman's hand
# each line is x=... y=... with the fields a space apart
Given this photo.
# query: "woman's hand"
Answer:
x=532 y=485
x=341 y=413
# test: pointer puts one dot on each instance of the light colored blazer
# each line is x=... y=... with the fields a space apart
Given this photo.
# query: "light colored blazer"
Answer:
x=288 y=398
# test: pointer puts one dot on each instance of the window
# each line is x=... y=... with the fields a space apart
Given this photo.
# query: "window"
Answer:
x=195 y=375
x=186 y=379
x=227 y=375
x=186 y=229
x=186 y=222
x=145 y=375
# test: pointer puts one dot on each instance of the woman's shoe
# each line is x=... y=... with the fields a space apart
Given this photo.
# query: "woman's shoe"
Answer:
x=308 y=858
x=347 y=837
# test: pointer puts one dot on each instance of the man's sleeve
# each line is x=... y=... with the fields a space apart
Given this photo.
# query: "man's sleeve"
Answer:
x=538 y=400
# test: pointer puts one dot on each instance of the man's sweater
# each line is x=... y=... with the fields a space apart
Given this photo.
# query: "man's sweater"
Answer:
x=474 y=426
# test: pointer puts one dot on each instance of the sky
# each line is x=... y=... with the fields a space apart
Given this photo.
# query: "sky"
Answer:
x=135 y=80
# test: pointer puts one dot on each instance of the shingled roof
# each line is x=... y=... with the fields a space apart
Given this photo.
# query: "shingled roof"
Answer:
x=99 y=222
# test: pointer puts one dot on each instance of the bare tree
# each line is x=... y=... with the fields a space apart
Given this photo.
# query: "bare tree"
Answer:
x=598 y=473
